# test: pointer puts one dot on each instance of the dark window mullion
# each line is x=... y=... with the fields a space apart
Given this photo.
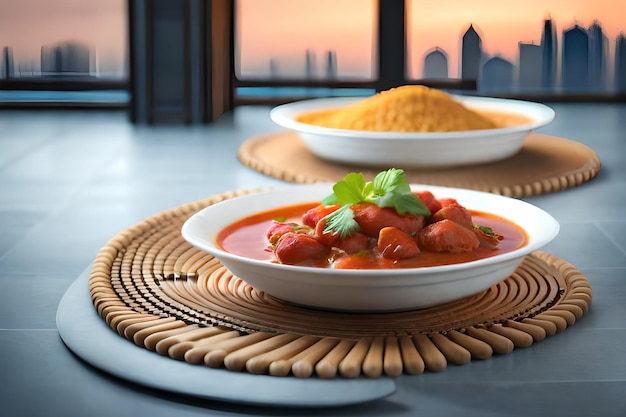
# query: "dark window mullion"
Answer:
x=391 y=45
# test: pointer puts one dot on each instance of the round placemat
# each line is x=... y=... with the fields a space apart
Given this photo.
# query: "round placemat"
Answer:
x=158 y=291
x=544 y=164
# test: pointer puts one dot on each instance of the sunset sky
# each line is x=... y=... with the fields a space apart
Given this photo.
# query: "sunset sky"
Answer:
x=26 y=25
x=284 y=29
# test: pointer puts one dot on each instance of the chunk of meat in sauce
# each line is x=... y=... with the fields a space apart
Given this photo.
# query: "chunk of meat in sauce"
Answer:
x=448 y=236
x=299 y=249
x=430 y=201
x=277 y=229
x=355 y=243
x=454 y=212
x=446 y=201
x=395 y=244
x=372 y=219
x=362 y=262
x=328 y=238
x=314 y=215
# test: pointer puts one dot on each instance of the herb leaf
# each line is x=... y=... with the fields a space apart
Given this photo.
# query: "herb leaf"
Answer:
x=486 y=230
x=342 y=222
x=403 y=203
x=348 y=191
x=388 y=189
x=391 y=180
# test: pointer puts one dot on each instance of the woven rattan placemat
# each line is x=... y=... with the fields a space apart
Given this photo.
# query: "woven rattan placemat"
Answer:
x=158 y=291
x=544 y=164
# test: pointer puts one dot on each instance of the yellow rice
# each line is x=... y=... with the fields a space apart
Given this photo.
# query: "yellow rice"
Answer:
x=410 y=108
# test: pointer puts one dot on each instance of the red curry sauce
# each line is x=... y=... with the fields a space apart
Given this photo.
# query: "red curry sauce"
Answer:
x=246 y=237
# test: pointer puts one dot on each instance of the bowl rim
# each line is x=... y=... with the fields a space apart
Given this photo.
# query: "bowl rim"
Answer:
x=284 y=115
x=551 y=230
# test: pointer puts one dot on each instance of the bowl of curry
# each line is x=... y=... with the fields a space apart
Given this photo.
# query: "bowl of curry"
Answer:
x=299 y=245
x=412 y=127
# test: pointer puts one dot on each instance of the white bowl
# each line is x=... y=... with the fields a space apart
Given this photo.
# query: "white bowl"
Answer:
x=414 y=149
x=368 y=290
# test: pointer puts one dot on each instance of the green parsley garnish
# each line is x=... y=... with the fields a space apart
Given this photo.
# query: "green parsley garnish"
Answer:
x=342 y=221
x=389 y=189
x=486 y=230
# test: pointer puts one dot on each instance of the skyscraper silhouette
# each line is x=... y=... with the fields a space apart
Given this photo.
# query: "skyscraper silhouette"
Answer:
x=309 y=64
x=496 y=75
x=620 y=63
x=331 y=65
x=597 y=57
x=575 y=68
x=436 y=64
x=530 y=66
x=70 y=58
x=549 y=53
x=471 y=54
x=8 y=69
x=274 y=69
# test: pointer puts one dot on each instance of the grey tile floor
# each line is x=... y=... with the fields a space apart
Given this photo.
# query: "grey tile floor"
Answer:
x=71 y=180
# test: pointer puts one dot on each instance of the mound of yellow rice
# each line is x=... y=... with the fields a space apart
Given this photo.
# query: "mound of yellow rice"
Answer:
x=410 y=108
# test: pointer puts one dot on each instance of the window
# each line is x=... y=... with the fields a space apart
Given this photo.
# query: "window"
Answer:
x=305 y=48
x=543 y=49
x=63 y=51
x=548 y=47
x=323 y=39
x=76 y=51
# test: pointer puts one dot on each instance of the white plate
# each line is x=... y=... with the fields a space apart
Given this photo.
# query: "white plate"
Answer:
x=87 y=335
x=408 y=149
x=369 y=290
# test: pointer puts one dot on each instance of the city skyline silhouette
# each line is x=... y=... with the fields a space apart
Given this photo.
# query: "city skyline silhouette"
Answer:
x=582 y=63
x=576 y=61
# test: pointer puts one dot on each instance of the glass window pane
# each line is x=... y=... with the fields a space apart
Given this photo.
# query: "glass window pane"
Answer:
x=312 y=39
x=512 y=57
x=64 y=38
